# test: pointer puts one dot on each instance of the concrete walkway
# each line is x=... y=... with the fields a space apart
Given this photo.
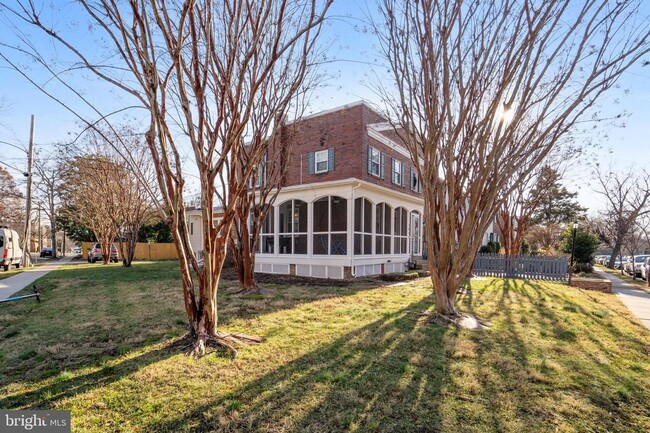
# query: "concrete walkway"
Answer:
x=14 y=284
x=635 y=299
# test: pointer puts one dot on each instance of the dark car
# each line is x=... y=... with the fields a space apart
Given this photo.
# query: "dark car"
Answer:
x=46 y=252
x=95 y=253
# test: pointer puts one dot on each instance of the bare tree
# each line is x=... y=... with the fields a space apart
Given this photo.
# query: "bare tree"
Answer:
x=127 y=187
x=87 y=184
x=265 y=183
x=627 y=198
x=483 y=93
x=539 y=199
x=206 y=72
x=47 y=188
x=12 y=210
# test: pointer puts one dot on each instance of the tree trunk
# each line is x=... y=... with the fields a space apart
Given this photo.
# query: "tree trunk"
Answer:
x=615 y=253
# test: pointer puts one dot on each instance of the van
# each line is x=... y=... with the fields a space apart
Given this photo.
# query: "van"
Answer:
x=10 y=251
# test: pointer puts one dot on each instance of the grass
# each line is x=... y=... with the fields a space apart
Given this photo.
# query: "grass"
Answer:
x=638 y=282
x=103 y=344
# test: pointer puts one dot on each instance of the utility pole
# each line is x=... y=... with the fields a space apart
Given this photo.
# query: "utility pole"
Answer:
x=28 y=206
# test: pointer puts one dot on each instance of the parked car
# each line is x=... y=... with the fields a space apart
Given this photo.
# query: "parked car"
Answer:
x=10 y=251
x=645 y=269
x=618 y=262
x=639 y=262
x=46 y=252
x=628 y=265
x=76 y=250
x=95 y=253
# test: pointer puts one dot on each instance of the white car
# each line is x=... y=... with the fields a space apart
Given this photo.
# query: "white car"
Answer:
x=76 y=250
x=634 y=267
x=10 y=251
x=645 y=268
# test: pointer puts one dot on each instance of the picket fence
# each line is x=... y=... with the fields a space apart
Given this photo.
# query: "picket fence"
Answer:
x=554 y=268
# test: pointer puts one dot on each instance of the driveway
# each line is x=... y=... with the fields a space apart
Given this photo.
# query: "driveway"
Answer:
x=14 y=284
x=635 y=299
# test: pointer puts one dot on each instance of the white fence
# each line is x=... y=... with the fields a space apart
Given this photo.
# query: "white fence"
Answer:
x=553 y=268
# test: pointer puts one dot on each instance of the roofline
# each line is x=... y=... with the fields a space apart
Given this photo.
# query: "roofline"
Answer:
x=339 y=108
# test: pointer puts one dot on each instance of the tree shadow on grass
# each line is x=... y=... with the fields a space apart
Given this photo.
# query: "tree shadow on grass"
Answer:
x=575 y=362
x=97 y=312
x=68 y=385
x=386 y=376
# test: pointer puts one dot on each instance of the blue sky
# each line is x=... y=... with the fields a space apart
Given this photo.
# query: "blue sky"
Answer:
x=352 y=54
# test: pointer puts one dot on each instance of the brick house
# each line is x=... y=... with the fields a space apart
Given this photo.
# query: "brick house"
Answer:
x=350 y=204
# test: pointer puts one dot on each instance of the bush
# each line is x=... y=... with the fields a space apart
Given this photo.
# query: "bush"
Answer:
x=586 y=244
x=491 y=248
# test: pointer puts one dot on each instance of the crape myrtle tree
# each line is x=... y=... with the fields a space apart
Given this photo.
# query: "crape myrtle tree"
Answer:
x=129 y=187
x=208 y=74
x=86 y=184
x=265 y=183
x=539 y=199
x=483 y=93
x=627 y=199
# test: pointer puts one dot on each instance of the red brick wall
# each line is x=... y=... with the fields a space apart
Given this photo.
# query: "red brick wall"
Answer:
x=345 y=131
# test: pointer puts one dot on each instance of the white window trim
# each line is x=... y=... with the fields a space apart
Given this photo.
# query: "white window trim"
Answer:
x=320 y=157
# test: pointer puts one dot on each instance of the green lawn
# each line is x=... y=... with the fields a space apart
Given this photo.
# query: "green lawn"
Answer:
x=104 y=343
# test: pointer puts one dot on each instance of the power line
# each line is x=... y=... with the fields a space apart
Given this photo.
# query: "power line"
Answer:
x=13 y=168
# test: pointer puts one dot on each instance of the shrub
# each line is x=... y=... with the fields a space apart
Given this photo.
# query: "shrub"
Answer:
x=586 y=244
x=492 y=247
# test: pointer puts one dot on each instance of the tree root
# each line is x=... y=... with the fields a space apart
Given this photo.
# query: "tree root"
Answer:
x=229 y=341
x=460 y=320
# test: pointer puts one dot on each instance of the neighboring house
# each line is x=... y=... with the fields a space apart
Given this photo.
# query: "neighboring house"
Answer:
x=193 y=214
x=351 y=202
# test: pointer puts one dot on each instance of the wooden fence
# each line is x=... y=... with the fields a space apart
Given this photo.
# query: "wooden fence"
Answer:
x=553 y=268
x=143 y=251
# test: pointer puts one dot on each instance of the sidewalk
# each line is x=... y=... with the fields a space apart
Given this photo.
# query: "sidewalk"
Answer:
x=11 y=285
x=635 y=299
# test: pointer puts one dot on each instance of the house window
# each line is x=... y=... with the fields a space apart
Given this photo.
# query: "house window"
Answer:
x=415 y=181
x=293 y=227
x=267 y=233
x=401 y=230
x=398 y=172
x=383 y=228
x=362 y=226
x=416 y=233
x=375 y=162
x=321 y=161
x=330 y=224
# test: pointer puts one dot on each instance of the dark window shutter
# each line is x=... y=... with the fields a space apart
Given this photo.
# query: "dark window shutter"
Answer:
x=330 y=159
x=392 y=170
x=311 y=162
x=382 y=165
x=369 y=161
x=403 y=175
